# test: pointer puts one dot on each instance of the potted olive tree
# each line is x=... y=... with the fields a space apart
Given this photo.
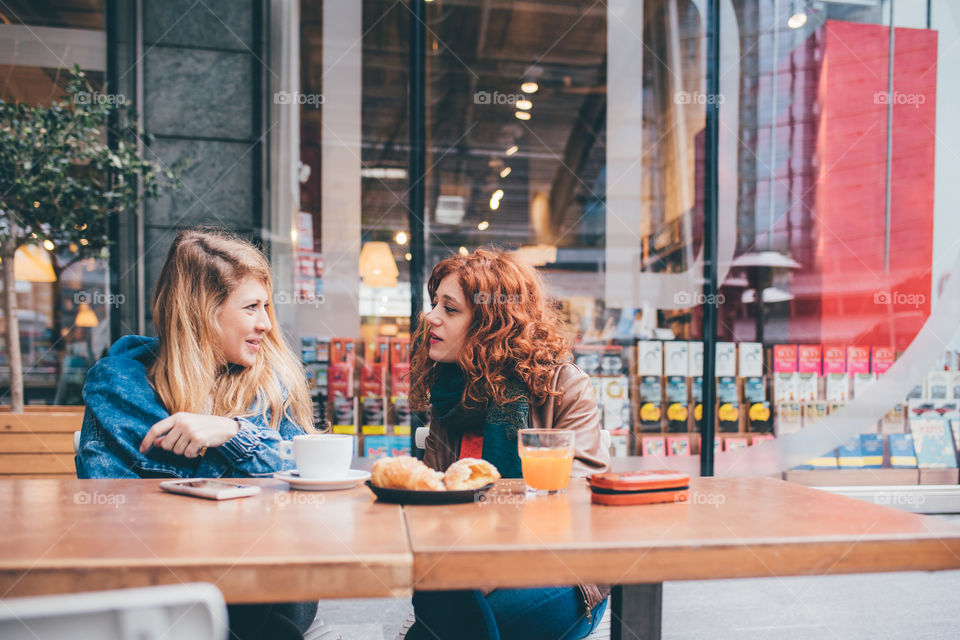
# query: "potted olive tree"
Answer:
x=65 y=169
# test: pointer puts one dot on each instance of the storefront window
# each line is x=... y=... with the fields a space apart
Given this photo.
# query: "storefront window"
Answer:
x=64 y=302
x=574 y=135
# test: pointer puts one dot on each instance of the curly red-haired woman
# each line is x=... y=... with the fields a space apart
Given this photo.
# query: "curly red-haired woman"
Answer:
x=492 y=359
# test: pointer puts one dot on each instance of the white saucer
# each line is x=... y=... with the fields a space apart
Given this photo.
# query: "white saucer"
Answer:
x=354 y=477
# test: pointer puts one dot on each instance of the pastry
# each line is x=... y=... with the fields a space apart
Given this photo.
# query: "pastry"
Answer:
x=469 y=473
x=406 y=472
x=393 y=473
x=424 y=478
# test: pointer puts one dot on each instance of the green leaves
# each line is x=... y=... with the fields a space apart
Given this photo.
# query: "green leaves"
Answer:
x=73 y=164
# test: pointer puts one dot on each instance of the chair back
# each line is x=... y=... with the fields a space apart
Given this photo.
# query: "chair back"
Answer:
x=192 y=611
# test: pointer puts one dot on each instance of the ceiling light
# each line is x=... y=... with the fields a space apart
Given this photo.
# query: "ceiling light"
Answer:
x=797 y=20
x=48 y=245
x=506 y=171
x=512 y=150
x=522 y=115
x=85 y=316
x=384 y=173
x=408 y=256
x=464 y=252
x=377 y=268
x=494 y=204
x=526 y=105
x=497 y=194
x=483 y=226
x=400 y=238
x=529 y=87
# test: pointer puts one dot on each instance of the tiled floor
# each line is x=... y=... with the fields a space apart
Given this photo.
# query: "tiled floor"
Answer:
x=899 y=605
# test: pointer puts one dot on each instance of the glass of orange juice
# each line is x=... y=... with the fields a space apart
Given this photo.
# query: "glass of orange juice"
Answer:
x=546 y=458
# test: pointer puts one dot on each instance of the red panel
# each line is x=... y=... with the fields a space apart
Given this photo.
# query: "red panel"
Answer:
x=849 y=211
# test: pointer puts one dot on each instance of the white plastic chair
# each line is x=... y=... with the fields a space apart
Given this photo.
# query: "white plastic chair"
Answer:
x=193 y=611
x=420 y=437
x=602 y=632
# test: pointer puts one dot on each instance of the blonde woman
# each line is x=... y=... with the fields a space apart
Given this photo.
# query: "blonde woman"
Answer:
x=218 y=388
x=212 y=395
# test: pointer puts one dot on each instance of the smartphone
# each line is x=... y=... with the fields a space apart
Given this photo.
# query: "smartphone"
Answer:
x=210 y=489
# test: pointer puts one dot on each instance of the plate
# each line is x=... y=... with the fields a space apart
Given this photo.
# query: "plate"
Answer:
x=409 y=496
x=354 y=476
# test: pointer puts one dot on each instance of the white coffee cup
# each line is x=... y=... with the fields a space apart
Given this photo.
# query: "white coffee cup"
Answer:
x=319 y=456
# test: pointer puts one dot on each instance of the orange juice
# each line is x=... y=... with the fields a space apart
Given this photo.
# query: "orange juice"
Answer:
x=546 y=469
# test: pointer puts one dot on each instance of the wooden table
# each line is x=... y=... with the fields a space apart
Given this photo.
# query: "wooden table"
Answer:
x=731 y=528
x=80 y=535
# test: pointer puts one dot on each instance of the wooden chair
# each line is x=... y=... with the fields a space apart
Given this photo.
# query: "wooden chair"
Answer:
x=39 y=444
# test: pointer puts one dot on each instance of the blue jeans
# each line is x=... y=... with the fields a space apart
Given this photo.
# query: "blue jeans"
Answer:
x=552 y=613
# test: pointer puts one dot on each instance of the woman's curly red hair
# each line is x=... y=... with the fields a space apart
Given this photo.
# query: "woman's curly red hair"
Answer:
x=516 y=331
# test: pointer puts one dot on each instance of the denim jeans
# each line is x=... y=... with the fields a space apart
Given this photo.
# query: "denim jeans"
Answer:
x=552 y=613
x=279 y=621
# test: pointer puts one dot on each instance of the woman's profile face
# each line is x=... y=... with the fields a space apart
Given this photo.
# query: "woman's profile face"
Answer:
x=448 y=321
x=244 y=322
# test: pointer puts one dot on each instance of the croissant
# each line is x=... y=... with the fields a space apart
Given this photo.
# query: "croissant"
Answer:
x=424 y=478
x=406 y=472
x=470 y=473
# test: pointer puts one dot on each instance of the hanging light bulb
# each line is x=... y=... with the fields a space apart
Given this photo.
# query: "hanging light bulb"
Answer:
x=529 y=87
x=797 y=20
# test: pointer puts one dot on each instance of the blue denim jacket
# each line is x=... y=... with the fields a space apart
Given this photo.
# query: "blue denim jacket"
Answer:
x=122 y=405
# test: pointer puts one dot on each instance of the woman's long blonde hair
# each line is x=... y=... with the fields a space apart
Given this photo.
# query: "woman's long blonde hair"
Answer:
x=201 y=269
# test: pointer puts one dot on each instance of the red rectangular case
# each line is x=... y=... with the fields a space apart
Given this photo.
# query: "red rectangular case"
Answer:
x=639 y=487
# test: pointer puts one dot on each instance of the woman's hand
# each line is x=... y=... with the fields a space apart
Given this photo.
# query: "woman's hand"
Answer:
x=189 y=434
